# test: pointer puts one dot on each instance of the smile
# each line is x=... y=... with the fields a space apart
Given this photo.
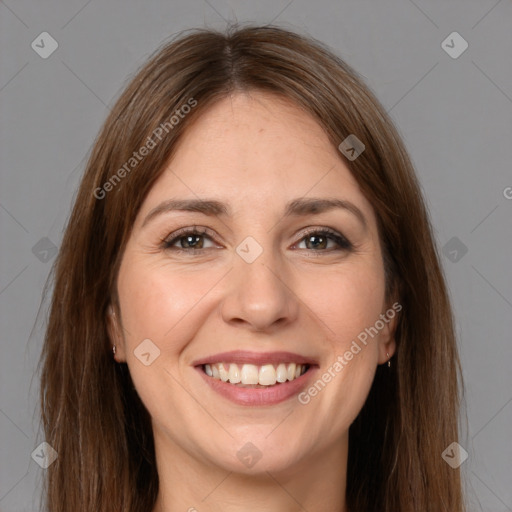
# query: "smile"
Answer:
x=252 y=378
x=253 y=375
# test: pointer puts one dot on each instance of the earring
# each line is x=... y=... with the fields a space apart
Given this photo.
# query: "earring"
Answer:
x=113 y=313
x=389 y=361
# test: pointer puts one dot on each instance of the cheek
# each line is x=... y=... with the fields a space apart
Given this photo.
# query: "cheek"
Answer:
x=349 y=301
x=158 y=302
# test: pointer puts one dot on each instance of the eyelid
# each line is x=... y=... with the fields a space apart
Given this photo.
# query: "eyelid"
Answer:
x=341 y=240
x=189 y=230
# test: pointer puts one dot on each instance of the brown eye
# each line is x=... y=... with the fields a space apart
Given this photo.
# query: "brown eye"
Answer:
x=316 y=242
x=189 y=239
x=190 y=242
x=325 y=240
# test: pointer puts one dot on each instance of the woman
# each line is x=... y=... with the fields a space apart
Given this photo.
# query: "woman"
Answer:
x=249 y=311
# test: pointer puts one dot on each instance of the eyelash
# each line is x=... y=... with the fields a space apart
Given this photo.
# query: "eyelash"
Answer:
x=343 y=243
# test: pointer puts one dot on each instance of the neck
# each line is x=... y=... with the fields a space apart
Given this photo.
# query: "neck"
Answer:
x=187 y=484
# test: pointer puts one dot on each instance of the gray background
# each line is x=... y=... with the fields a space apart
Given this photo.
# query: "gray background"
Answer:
x=454 y=114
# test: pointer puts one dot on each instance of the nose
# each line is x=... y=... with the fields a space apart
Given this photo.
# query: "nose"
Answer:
x=258 y=297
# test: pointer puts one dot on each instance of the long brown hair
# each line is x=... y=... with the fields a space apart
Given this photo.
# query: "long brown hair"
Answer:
x=91 y=413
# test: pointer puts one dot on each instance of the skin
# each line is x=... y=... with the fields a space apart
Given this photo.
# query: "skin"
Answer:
x=254 y=152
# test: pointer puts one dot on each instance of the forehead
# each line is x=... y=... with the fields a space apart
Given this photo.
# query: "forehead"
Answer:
x=255 y=150
x=247 y=129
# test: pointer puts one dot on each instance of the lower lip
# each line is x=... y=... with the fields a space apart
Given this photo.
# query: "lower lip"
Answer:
x=259 y=396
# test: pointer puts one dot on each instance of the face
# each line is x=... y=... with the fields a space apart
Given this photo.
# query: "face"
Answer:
x=251 y=292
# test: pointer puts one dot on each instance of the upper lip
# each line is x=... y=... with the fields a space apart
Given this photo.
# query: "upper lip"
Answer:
x=256 y=358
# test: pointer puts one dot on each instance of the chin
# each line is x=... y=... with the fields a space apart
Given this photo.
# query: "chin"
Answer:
x=259 y=451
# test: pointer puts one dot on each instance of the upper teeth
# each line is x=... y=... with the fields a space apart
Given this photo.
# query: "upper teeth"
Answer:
x=266 y=375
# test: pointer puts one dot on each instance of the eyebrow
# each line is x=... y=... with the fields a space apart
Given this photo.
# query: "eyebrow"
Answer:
x=295 y=208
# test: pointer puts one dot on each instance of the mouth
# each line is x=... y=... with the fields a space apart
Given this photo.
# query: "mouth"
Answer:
x=248 y=378
x=253 y=376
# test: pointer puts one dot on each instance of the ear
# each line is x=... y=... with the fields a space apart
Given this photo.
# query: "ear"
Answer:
x=115 y=334
x=387 y=341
